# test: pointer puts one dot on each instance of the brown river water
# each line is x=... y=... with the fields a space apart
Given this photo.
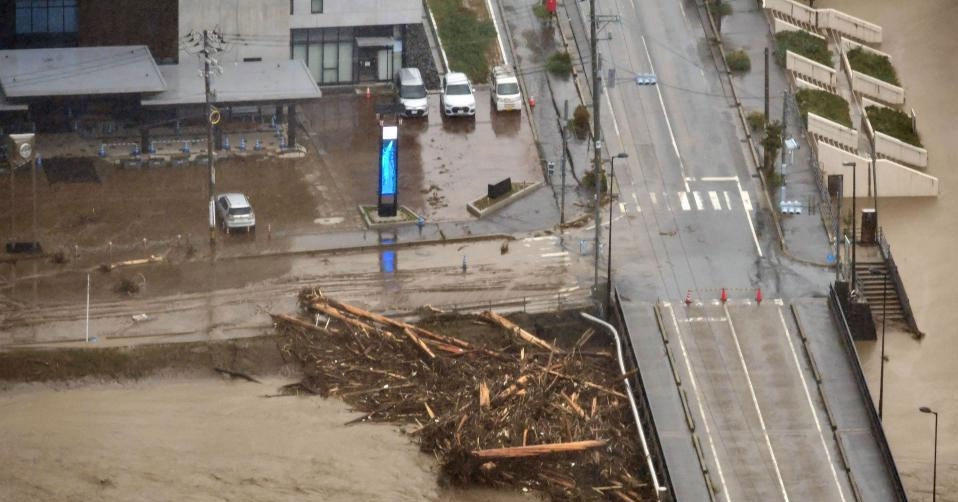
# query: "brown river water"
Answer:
x=922 y=38
x=205 y=440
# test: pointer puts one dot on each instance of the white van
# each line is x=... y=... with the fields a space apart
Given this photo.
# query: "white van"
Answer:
x=412 y=92
x=505 y=89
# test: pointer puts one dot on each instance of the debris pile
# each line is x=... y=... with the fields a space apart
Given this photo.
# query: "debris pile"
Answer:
x=498 y=406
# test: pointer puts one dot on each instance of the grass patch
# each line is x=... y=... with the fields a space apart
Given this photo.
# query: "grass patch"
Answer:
x=802 y=43
x=823 y=104
x=485 y=202
x=893 y=123
x=872 y=64
x=738 y=61
x=466 y=38
x=560 y=63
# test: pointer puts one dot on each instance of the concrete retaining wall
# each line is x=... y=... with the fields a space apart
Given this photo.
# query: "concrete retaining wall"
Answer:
x=820 y=126
x=810 y=69
x=828 y=19
x=896 y=149
x=894 y=180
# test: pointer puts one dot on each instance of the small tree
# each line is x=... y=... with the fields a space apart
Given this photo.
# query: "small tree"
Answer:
x=720 y=9
x=560 y=63
x=738 y=61
x=771 y=144
x=580 y=121
x=756 y=120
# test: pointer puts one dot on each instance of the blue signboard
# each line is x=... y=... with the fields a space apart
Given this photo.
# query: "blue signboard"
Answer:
x=387 y=164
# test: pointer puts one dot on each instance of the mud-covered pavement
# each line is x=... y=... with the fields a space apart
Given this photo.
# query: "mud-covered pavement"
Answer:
x=204 y=439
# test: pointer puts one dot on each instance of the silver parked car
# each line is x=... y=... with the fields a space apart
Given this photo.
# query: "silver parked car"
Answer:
x=234 y=212
x=412 y=92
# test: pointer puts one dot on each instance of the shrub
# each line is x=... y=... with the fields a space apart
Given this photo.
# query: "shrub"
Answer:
x=876 y=65
x=560 y=63
x=540 y=11
x=588 y=181
x=771 y=143
x=893 y=123
x=804 y=44
x=738 y=61
x=720 y=9
x=580 y=121
x=824 y=104
x=756 y=120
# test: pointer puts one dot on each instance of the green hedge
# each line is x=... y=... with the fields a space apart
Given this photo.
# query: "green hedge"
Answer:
x=823 y=104
x=893 y=123
x=802 y=43
x=738 y=61
x=466 y=39
x=872 y=64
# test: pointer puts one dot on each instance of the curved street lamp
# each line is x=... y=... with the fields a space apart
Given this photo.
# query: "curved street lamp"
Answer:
x=934 y=472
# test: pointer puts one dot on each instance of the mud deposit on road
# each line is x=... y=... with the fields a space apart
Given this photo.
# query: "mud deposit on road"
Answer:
x=203 y=439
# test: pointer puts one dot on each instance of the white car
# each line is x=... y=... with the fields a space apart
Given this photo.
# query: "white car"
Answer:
x=235 y=212
x=505 y=93
x=458 y=97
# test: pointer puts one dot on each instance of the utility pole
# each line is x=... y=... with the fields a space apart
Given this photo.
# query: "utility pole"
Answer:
x=207 y=57
x=767 y=111
x=562 y=131
x=784 y=126
x=838 y=225
x=875 y=177
x=597 y=138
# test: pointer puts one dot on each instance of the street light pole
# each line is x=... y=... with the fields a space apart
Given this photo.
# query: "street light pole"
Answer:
x=934 y=472
x=608 y=288
x=884 y=312
x=854 y=229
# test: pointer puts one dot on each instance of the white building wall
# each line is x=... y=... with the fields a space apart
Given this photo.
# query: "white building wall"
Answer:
x=338 y=13
x=264 y=24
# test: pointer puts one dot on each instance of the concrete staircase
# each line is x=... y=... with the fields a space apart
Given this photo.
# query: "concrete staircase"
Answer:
x=872 y=284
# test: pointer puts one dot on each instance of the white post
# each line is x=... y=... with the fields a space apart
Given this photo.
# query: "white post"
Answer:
x=88 y=308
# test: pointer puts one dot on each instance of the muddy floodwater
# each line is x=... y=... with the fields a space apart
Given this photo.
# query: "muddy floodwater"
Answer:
x=923 y=233
x=205 y=440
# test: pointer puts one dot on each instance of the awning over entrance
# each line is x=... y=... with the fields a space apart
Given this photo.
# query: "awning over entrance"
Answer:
x=79 y=71
x=374 y=42
x=251 y=82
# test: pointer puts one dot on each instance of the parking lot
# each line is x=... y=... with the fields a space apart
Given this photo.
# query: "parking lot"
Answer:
x=444 y=163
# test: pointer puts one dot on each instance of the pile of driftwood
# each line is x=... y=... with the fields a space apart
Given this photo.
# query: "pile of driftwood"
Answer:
x=504 y=407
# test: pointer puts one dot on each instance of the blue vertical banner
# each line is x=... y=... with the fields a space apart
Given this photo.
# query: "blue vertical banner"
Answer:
x=388 y=165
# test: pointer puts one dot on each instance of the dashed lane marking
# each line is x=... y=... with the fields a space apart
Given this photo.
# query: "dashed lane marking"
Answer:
x=714 y=198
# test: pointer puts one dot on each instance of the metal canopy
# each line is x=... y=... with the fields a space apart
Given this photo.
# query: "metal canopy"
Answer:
x=248 y=82
x=79 y=71
x=374 y=42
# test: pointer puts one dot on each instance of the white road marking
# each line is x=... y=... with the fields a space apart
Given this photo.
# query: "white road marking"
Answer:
x=702 y=319
x=553 y=255
x=540 y=238
x=720 y=178
x=652 y=196
x=622 y=207
x=758 y=409
x=635 y=197
x=746 y=200
x=665 y=113
x=728 y=201
x=684 y=200
x=716 y=205
x=615 y=123
x=811 y=407
x=698 y=399
x=698 y=201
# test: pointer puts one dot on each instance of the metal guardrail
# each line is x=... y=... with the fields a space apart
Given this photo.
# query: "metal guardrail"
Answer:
x=892 y=271
x=877 y=431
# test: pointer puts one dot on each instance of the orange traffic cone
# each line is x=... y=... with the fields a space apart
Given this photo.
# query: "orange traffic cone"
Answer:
x=368 y=92
x=758 y=296
x=532 y=102
x=688 y=298
x=724 y=296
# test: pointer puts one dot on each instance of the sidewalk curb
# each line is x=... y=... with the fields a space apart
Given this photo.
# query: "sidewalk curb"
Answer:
x=371 y=247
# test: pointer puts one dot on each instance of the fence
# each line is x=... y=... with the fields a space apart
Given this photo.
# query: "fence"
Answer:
x=810 y=69
x=827 y=19
x=833 y=131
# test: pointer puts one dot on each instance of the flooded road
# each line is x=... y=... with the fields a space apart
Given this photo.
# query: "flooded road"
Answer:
x=205 y=440
x=921 y=40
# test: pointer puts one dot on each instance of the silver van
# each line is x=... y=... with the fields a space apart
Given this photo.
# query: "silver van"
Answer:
x=412 y=92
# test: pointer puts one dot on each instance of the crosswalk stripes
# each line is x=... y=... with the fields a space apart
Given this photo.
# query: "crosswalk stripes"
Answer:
x=684 y=200
x=698 y=200
x=713 y=197
x=692 y=200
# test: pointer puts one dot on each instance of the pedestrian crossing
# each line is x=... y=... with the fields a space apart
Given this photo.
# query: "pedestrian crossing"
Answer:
x=691 y=201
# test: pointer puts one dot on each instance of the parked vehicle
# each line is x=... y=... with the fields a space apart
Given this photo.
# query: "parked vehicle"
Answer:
x=412 y=92
x=458 y=96
x=505 y=93
x=234 y=212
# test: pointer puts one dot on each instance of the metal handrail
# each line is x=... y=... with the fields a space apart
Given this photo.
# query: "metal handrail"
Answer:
x=879 y=432
x=635 y=410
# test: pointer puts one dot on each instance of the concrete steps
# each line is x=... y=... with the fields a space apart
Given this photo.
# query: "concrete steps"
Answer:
x=870 y=275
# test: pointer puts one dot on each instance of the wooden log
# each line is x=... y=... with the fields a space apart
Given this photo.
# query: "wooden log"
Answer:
x=336 y=314
x=484 y=395
x=385 y=321
x=515 y=330
x=419 y=343
x=581 y=382
x=539 y=449
x=283 y=318
x=575 y=406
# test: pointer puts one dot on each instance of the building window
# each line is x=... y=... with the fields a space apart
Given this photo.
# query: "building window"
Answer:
x=46 y=16
x=316 y=6
x=327 y=52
